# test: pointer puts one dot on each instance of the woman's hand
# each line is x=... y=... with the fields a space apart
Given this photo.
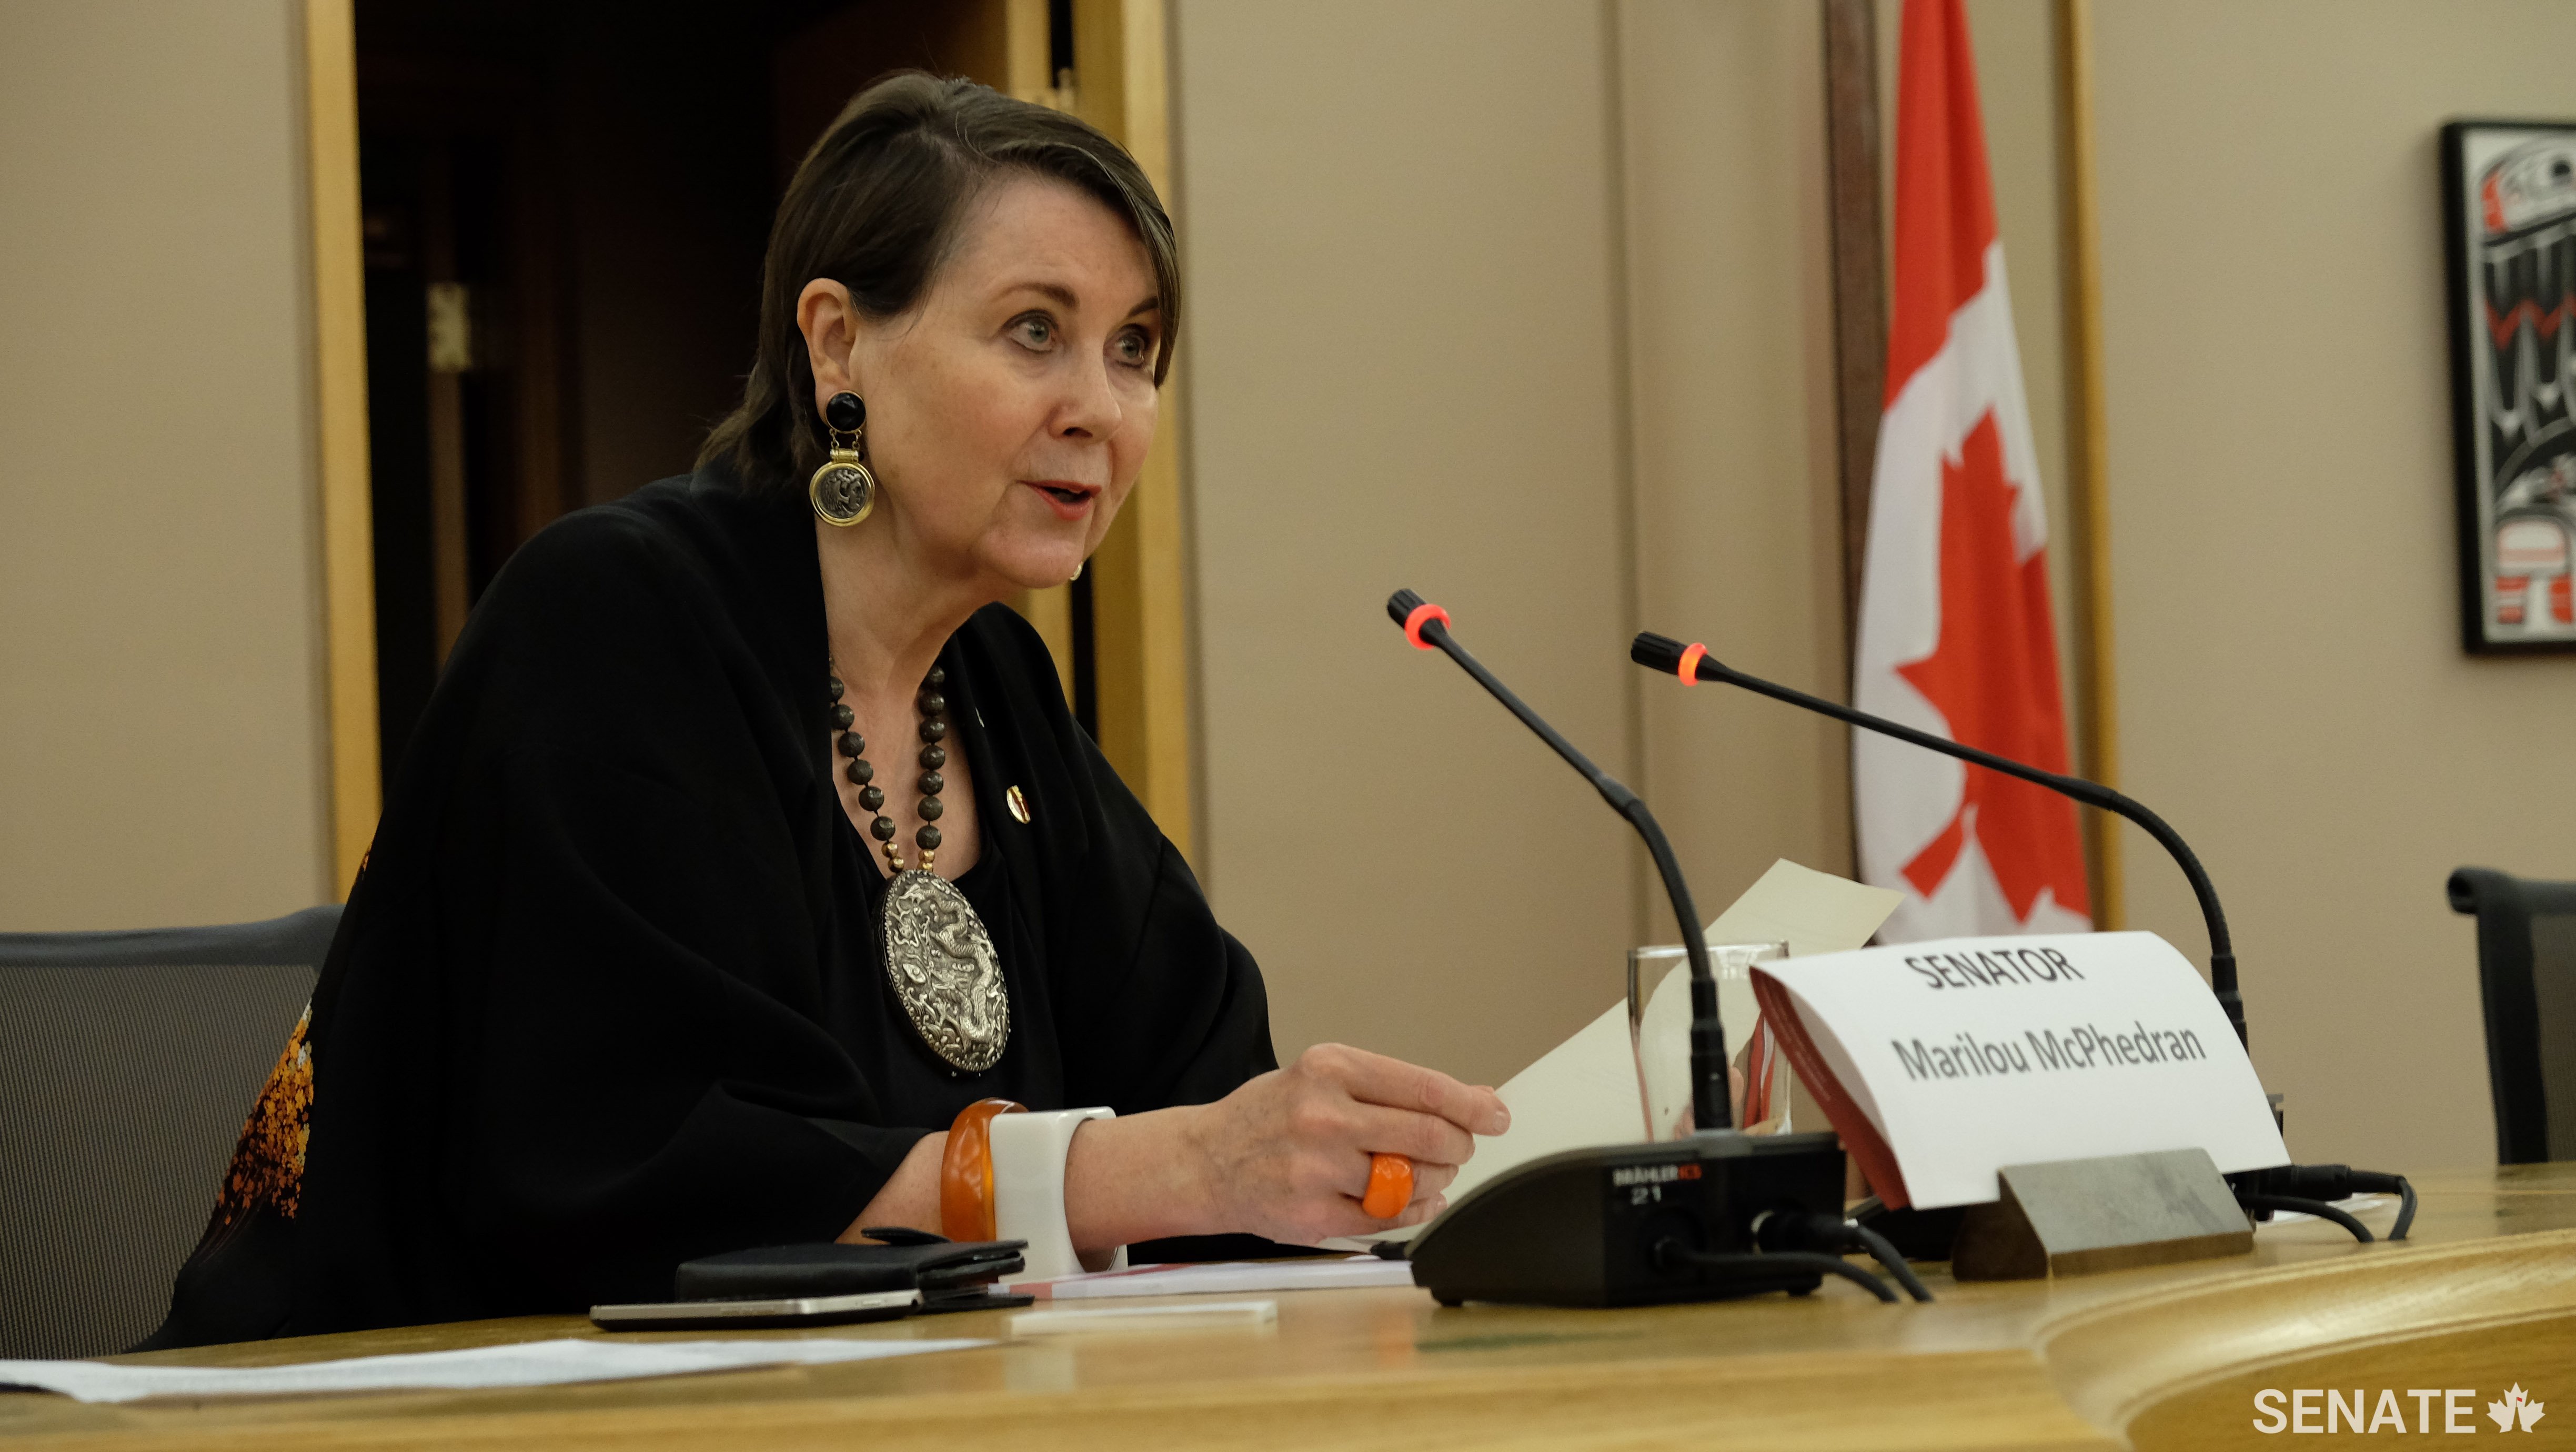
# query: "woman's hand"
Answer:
x=1287 y=1154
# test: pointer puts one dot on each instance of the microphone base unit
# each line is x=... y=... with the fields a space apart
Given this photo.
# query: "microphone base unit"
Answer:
x=1590 y=1227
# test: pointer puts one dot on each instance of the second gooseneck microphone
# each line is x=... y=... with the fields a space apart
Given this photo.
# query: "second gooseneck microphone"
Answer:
x=1693 y=663
x=2304 y=1188
x=1427 y=626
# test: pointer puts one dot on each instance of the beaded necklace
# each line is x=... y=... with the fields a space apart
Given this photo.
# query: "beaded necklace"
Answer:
x=939 y=959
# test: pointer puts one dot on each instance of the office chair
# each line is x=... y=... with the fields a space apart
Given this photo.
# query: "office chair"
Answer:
x=2527 y=976
x=128 y=1062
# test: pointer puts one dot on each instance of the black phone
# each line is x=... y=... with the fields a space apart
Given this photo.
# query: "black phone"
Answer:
x=826 y=1285
x=748 y=1315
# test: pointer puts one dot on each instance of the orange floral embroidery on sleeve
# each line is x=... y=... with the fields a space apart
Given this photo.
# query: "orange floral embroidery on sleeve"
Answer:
x=268 y=1163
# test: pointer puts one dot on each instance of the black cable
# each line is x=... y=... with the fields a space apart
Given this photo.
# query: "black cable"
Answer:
x=2314 y=1183
x=1668 y=1253
x=1816 y=1231
x=2318 y=1208
x=1885 y=1254
x=2366 y=1182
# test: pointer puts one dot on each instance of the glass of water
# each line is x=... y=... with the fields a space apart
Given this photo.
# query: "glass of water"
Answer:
x=1659 y=1022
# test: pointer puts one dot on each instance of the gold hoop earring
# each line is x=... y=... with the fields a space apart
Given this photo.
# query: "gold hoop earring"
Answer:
x=1077 y=570
x=844 y=490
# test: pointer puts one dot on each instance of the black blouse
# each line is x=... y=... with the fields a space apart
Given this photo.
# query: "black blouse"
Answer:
x=607 y=996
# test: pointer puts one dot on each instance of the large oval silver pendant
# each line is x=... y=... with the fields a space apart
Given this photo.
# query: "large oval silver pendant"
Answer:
x=944 y=970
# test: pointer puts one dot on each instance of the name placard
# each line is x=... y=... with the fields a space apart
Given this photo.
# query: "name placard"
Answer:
x=1939 y=1063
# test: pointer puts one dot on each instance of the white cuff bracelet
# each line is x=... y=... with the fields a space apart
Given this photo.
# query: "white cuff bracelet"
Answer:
x=1028 y=1186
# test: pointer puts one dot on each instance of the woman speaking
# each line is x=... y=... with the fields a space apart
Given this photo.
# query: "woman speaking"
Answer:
x=747 y=839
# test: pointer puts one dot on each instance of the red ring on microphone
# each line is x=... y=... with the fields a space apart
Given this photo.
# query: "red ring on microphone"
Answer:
x=1688 y=670
x=1413 y=624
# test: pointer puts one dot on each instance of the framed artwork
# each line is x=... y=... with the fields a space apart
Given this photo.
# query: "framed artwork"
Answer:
x=2509 y=229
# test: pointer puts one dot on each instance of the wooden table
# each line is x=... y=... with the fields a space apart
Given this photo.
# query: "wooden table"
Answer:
x=2484 y=1295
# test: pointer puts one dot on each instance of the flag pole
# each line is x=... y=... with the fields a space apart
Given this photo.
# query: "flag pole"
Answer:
x=1860 y=272
x=1859 y=239
x=2090 y=456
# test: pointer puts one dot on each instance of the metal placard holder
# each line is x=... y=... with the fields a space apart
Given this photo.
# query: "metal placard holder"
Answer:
x=2079 y=1217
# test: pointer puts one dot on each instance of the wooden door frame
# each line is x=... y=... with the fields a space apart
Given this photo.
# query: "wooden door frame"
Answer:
x=1139 y=660
x=1140 y=577
x=1140 y=582
x=340 y=426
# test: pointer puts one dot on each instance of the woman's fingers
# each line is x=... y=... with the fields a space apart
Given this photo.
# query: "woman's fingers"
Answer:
x=1422 y=1210
x=1431 y=1179
x=1377 y=1079
x=1428 y=1182
x=1288 y=1154
x=1415 y=1136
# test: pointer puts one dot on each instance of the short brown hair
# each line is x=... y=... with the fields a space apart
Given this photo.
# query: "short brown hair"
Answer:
x=874 y=207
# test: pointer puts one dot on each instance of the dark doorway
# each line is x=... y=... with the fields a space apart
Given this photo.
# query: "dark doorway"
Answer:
x=565 y=210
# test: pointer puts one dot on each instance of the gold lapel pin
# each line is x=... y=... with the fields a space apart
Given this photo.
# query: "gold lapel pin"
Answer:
x=1019 y=805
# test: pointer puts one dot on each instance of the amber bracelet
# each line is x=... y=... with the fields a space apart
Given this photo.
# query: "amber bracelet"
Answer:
x=966 y=1172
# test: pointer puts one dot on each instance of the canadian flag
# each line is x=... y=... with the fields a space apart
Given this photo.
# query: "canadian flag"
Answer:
x=1956 y=635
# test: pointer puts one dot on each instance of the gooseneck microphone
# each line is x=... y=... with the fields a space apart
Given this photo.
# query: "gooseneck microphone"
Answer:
x=1427 y=626
x=2304 y=1188
x=1715 y=1215
x=1693 y=663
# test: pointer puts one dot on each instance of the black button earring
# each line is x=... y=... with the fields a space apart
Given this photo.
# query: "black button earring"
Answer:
x=844 y=489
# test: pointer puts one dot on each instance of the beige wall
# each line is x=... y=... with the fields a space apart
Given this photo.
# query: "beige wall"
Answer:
x=161 y=743
x=1525 y=305
x=1568 y=376
x=2293 y=694
x=1526 y=309
x=1401 y=372
x=1738 y=544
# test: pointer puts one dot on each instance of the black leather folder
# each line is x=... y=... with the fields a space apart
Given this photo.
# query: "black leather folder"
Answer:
x=918 y=1274
x=936 y=1268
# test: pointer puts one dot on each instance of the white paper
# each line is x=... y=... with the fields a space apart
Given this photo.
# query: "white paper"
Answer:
x=1194 y=1316
x=533 y=1363
x=1813 y=912
x=1228 y=1277
x=1948 y=1047
x=1584 y=1091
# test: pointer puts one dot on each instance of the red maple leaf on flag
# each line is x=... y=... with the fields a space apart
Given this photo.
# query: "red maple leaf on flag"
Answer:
x=1993 y=677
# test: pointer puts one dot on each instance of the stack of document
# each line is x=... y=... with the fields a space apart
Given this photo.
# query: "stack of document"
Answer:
x=1227 y=1278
